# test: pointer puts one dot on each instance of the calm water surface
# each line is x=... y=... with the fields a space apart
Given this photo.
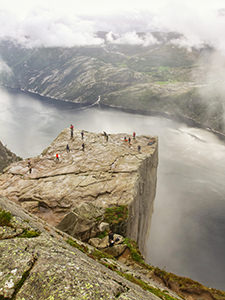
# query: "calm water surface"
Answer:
x=188 y=226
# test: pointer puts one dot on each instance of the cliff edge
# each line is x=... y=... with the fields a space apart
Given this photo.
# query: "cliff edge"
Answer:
x=74 y=191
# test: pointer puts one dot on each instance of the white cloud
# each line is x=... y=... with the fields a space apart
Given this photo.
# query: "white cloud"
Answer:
x=73 y=22
x=4 y=68
x=131 y=38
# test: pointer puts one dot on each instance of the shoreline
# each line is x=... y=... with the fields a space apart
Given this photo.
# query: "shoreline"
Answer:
x=81 y=106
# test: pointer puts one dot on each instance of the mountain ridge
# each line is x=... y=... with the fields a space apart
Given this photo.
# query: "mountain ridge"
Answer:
x=162 y=77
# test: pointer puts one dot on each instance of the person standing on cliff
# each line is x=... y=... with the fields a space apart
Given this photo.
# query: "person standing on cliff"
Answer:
x=67 y=148
x=134 y=135
x=111 y=238
x=29 y=166
x=82 y=134
x=71 y=131
x=83 y=146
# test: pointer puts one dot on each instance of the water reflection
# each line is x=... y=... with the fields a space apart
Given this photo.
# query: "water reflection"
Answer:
x=188 y=225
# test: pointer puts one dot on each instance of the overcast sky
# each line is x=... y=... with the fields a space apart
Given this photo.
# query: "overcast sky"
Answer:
x=72 y=22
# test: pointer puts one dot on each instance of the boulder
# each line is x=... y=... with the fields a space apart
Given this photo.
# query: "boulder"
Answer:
x=104 y=243
x=103 y=227
x=82 y=222
x=116 y=250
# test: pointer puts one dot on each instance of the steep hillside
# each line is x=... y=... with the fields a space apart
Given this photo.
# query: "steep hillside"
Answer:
x=161 y=77
x=6 y=157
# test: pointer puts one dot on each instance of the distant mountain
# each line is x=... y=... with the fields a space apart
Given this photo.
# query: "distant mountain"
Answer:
x=162 y=76
x=6 y=157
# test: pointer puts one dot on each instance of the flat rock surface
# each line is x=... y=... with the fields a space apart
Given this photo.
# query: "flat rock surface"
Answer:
x=104 y=174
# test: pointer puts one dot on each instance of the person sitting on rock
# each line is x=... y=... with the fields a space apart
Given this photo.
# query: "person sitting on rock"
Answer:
x=111 y=238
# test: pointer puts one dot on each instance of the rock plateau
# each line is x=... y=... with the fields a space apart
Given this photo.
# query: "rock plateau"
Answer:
x=74 y=192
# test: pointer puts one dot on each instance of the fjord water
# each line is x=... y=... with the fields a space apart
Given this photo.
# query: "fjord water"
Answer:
x=188 y=225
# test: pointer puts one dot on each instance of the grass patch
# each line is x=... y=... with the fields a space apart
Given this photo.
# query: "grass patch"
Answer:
x=187 y=285
x=135 y=252
x=98 y=255
x=146 y=286
x=74 y=244
x=29 y=234
x=5 y=218
x=103 y=234
x=116 y=214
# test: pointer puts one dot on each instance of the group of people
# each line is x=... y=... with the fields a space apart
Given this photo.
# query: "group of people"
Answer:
x=129 y=141
x=83 y=145
x=71 y=136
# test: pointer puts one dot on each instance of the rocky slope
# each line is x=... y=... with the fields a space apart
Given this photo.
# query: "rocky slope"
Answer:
x=74 y=191
x=161 y=77
x=38 y=263
x=6 y=157
x=41 y=262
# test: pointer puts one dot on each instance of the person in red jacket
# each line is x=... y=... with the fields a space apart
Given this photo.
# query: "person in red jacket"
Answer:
x=71 y=131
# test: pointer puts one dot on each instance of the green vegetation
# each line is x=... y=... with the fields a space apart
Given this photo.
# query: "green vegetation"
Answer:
x=74 y=244
x=188 y=285
x=147 y=287
x=103 y=234
x=116 y=214
x=135 y=252
x=95 y=254
x=98 y=255
x=5 y=218
x=29 y=234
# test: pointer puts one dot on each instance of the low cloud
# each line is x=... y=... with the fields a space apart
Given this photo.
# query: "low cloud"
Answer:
x=68 y=24
x=131 y=38
x=43 y=29
x=4 y=68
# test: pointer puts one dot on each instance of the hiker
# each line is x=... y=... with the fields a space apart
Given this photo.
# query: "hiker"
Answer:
x=105 y=134
x=139 y=148
x=107 y=137
x=83 y=146
x=67 y=148
x=82 y=134
x=29 y=163
x=57 y=156
x=151 y=142
x=111 y=238
x=134 y=135
x=29 y=166
x=129 y=140
x=71 y=131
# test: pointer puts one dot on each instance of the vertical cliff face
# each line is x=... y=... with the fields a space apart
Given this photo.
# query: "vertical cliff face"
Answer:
x=141 y=208
x=74 y=191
